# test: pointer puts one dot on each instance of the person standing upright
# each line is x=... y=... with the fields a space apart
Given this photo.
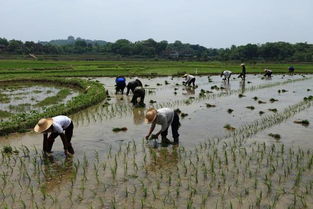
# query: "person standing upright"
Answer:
x=242 y=75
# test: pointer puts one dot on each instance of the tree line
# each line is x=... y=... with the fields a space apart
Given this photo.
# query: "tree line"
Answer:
x=271 y=51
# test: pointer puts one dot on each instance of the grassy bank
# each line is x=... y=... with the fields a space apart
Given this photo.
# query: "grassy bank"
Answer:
x=14 y=68
x=91 y=93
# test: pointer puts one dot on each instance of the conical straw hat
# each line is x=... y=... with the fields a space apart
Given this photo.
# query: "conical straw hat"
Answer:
x=151 y=115
x=43 y=124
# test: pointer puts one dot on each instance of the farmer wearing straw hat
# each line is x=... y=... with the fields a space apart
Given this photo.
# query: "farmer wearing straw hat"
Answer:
x=242 y=75
x=165 y=117
x=59 y=125
x=268 y=73
x=190 y=79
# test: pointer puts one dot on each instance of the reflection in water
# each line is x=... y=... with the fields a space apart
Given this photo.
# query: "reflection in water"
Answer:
x=189 y=90
x=225 y=86
x=139 y=115
x=163 y=158
x=242 y=85
x=56 y=171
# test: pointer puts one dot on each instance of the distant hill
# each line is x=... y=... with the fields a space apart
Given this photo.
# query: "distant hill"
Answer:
x=71 y=41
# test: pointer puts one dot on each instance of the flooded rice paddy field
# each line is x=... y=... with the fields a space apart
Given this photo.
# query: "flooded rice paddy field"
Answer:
x=24 y=98
x=93 y=126
x=212 y=168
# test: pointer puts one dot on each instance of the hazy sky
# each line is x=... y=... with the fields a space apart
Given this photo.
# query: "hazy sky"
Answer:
x=211 y=23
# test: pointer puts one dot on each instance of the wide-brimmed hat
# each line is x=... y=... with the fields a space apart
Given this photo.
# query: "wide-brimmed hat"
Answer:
x=185 y=75
x=151 y=115
x=242 y=64
x=43 y=124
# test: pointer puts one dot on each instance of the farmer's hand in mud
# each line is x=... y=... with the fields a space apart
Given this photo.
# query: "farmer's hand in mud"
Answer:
x=155 y=136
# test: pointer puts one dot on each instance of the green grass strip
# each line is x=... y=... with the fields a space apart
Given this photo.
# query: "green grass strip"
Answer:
x=62 y=94
x=4 y=114
x=91 y=93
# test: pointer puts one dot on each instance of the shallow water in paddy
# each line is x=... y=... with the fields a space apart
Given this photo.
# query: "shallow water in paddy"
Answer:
x=93 y=126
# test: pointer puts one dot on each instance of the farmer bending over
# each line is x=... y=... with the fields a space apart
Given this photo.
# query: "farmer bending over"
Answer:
x=226 y=74
x=242 y=75
x=132 y=85
x=120 y=84
x=165 y=117
x=189 y=79
x=268 y=73
x=139 y=92
x=58 y=126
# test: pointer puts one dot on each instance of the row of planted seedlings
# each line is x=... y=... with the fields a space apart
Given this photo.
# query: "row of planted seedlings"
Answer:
x=215 y=174
x=218 y=173
x=109 y=110
x=90 y=93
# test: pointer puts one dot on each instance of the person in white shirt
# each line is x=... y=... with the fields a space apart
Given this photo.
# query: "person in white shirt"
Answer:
x=226 y=74
x=58 y=126
x=190 y=79
x=268 y=73
x=165 y=117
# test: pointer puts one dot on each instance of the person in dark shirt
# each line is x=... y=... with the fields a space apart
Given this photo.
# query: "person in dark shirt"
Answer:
x=132 y=85
x=139 y=92
x=268 y=73
x=242 y=75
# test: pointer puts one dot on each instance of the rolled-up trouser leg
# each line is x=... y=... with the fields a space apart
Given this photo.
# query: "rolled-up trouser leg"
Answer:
x=69 y=134
x=164 y=134
x=175 y=126
x=48 y=143
x=134 y=99
x=193 y=81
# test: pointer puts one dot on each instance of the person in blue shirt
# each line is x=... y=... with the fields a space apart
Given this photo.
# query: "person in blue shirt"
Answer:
x=120 y=84
x=291 y=69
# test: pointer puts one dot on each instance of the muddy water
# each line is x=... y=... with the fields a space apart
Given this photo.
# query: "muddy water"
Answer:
x=292 y=134
x=24 y=97
x=93 y=127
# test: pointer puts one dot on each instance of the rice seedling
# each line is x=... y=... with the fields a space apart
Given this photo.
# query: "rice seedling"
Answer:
x=250 y=107
x=230 y=110
x=119 y=129
x=302 y=122
x=210 y=105
x=229 y=127
x=272 y=100
x=261 y=102
x=152 y=101
x=273 y=110
x=7 y=149
x=275 y=136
